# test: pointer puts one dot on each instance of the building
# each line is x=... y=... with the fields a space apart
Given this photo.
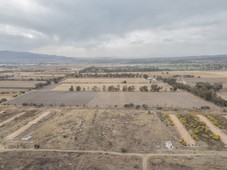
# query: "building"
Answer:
x=169 y=145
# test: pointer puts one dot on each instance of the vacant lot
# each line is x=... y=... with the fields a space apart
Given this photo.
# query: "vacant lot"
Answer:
x=70 y=161
x=90 y=86
x=163 y=99
x=104 y=80
x=109 y=130
x=54 y=98
x=187 y=163
x=19 y=84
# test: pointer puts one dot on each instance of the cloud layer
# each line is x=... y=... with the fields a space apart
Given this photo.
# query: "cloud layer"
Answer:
x=129 y=28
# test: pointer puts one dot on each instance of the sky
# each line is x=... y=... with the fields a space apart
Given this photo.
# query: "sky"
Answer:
x=114 y=28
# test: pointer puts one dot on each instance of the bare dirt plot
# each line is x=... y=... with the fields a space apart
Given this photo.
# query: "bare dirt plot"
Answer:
x=187 y=163
x=27 y=126
x=54 y=98
x=104 y=80
x=202 y=74
x=11 y=119
x=108 y=130
x=89 y=86
x=183 y=132
x=163 y=99
x=19 y=84
x=214 y=129
x=70 y=161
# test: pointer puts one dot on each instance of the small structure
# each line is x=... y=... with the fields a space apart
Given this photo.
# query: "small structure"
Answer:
x=26 y=138
x=169 y=145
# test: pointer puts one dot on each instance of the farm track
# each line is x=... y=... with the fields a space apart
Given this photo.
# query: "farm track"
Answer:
x=183 y=132
x=11 y=119
x=27 y=126
x=144 y=157
x=214 y=129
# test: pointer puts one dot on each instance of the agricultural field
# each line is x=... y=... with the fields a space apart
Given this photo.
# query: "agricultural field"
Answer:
x=161 y=99
x=19 y=84
x=108 y=99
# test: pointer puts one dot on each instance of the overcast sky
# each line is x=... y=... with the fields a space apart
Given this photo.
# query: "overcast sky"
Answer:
x=127 y=28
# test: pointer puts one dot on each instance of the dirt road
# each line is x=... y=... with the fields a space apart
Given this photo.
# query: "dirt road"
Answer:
x=11 y=119
x=145 y=157
x=183 y=132
x=27 y=126
x=214 y=129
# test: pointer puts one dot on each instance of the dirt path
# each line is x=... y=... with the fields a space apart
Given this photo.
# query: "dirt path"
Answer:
x=225 y=117
x=214 y=129
x=144 y=157
x=183 y=132
x=11 y=119
x=27 y=126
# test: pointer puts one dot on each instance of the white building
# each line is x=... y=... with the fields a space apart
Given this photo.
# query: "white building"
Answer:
x=169 y=145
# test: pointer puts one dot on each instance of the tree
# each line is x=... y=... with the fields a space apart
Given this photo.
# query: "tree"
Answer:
x=144 y=89
x=145 y=76
x=71 y=88
x=155 y=88
x=131 y=88
x=78 y=88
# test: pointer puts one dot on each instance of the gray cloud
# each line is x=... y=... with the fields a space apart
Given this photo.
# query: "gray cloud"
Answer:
x=112 y=27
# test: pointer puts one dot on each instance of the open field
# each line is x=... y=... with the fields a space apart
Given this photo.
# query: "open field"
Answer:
x=187 y=163
x=14 y=124
x=108 y=99
x=109 y=130
x=9 y=94
x=90 y=86
x=19 y=84
x=161 y=99
x=27 y=126
x=54 y=98
x=70 y=161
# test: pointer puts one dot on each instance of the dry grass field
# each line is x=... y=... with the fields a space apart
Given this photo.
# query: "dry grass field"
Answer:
x=102 y=129
x=19 y=84
x=89 y=86
x=69 y=161
x=9 y=95
x=187 y=163
x=161 y=99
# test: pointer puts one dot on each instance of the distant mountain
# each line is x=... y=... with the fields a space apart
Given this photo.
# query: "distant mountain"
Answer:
x=12 y=57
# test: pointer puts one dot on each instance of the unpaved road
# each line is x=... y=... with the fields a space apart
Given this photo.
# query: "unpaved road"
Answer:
x=214 y=129
x=183 y=132
x=144 y=157
x=27 y=126
x=11 y=119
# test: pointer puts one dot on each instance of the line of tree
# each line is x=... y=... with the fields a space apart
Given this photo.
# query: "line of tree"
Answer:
x=206 y=90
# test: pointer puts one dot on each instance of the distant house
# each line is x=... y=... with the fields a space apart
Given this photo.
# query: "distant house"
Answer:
x=150 y=79
x=169 y=145
x=26 y=138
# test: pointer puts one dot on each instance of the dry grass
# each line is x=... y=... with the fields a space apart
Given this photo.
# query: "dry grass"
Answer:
x=112 y=130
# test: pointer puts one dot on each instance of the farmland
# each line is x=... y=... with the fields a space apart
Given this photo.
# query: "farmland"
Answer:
x=116 y=119
x=108 y=99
